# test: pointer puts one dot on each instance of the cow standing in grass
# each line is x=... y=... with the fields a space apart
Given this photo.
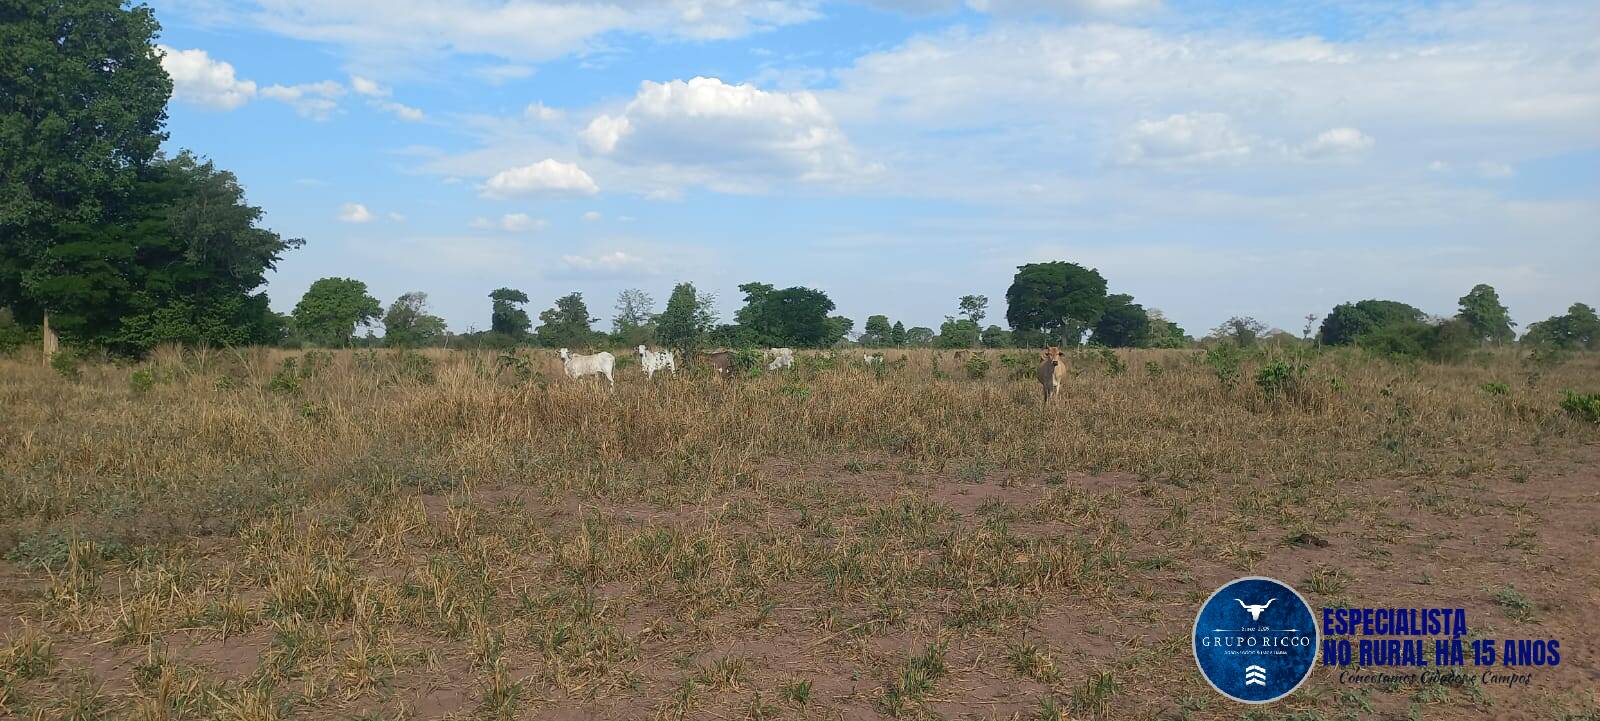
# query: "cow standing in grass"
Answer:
x=1052 y=372
x=781 y=358
x=661 y=360
x=720 y=361
x=578 y=366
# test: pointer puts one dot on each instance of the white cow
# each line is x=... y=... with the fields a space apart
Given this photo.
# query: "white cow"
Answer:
x=873 y=359
x=657 y=361
x=781 y=358
x=578 y=366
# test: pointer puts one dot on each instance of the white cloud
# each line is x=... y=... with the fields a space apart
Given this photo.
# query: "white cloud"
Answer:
x=614 y=261
x=510 y=222
x=726 y=136
x=317 y=101
x=1491 y=169
x=399 y=110
x=1337 y=141
x=354 y=213
x=198 y=79
x=592 y=216
x=1184 y=138
x=542 y=112
x=544 y=176
x=370 y=88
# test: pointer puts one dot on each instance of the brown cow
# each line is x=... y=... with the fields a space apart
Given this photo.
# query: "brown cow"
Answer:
x=721 y=361
x=1052 y=372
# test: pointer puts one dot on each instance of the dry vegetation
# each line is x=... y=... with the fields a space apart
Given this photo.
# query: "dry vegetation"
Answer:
x=393 y=535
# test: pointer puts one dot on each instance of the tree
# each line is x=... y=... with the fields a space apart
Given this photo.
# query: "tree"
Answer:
x=408 y=324
x=1163 y=333
x=332 y=308
x=1486 y=318
x=1241 y=331
x=82 y=105
x=919 y=336
x=507 y=316
x=958 y=333
x=1578 y=328
x=789 y=317
x=1059 y=300
x=687 y=321
x=1124 y=324
x=877 y=332
x=1349 y=321
x=839 y=328
x=634 y=322
x=996 y=337
x=897 y=334
x=974 y=307
x=567 y=324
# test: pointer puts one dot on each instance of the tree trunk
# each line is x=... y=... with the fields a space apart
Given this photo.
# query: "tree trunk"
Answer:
x=50 y=342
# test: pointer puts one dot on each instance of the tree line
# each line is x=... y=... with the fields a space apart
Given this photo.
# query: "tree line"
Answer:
x=113 y=245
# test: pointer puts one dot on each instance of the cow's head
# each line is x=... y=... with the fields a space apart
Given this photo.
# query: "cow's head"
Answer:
x=1052 y=356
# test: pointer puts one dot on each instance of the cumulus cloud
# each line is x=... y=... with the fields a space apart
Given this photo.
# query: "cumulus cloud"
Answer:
x=400 y=110
x=1185 y=138
x=510 y=222
x=317 y=101
x=728 y=134
x=614 y=261
x=1337 y=141
x=370 y=88
x=541 y=112
x=354 y=213
x=198 y=79
x=547 y=175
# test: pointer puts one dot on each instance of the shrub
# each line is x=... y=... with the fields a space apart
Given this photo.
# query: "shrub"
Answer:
x=1224 y=361
x=287 y=379
x=1280 y=378
x=1114 y=364
x=68 y=363
x=1585 y=406
x=1495 y=388
x=977 y=366
x=1019 y=366
x=1152 y=369
x=142 y=380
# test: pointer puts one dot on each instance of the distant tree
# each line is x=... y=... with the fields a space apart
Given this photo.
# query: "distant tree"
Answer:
x=1241 y=331
x=919 y=336
x=82 y=107
x=1486 y=318
x=687 y=322
x=1124 y=324
x=332 y=308
x=974 y=308
x=1578 y=328
x=1058 y=300
x=996 y=337
x=897 y=334
x=408 y=324
x=877 y=331
x=1163 y=333
x=839 y=328
x=1347 y=322
x=958 y=333
x=634 y=323
x=789 y=317
x=567 y=324
x=507 y=316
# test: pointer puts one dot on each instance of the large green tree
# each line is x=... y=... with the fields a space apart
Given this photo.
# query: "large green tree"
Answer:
x=897 y=334
x=1124 y=324
x=1241 y=330
x=958 y=333
x=82 y=104
x=687 y=322
x=1164 y=333
x=408 y=324
x=877 y=331
x=796 y=317
x=1577 y=328
x=332 y=308
x=634 y=322
x=1347 y=322
x=1055 y=301
x=1486 y=318
x=974 y=308
x=506 y=315
x=567 y=324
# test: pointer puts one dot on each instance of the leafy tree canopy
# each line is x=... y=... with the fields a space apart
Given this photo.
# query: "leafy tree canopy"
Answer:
x=1486 y=318
x=506 y=316
x=795 y=317
x=332 y=308
x=958 y=333
x=408 y=323
x=1577 y=328
x=1058 y=299
x=567 y=324
x=1349 y=321
x=877 y=331
x=1124 y=324
x=688 y=320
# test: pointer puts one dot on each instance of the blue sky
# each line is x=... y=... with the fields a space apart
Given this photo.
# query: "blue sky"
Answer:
x=1211 y=159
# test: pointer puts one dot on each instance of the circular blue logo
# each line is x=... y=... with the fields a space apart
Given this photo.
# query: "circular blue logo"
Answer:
x=1256 y=640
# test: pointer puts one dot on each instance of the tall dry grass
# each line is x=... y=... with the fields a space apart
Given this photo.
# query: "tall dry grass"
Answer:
x=380 y=511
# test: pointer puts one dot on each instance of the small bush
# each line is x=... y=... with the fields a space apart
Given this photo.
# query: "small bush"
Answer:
x=1495 y=388
x=287 y=379
x=1152 y=369
x=142 y=380
x=977 y=366
x=1224 y=361
x=1280 y=378
x=67 y=363
x=1585 y=406
x=1115 y=366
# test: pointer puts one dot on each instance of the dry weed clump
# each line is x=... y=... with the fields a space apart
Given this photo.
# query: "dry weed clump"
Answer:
x=263 y=534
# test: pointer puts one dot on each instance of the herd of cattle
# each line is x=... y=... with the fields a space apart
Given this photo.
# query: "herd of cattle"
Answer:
x=1052 y=370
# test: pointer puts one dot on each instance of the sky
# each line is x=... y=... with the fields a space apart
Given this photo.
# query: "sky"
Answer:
x=1211 y=159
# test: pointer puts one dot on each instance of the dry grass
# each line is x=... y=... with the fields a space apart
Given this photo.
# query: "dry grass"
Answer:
x=386 y=535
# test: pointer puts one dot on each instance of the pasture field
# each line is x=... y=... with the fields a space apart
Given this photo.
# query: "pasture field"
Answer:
x=270 y=534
